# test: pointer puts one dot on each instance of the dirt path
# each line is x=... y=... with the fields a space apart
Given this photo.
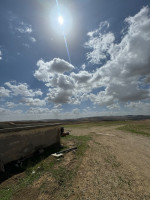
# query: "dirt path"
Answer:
x=116 y=166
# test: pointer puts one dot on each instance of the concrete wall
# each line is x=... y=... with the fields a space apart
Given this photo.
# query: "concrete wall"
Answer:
x=15 y=145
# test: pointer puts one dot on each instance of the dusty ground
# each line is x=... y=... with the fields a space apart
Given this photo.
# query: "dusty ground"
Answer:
x=116 y=166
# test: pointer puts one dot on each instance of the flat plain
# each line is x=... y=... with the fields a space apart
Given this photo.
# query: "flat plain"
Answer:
x=112 y=162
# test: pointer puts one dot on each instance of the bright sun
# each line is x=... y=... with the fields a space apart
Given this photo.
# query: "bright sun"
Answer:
x=60 y=20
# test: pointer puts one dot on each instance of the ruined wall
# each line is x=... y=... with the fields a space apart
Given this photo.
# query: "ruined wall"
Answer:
x=15 y=145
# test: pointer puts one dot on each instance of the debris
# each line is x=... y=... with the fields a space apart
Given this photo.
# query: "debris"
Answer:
x=33 y=172
x=57 y=155
x=67 y=150
x=60 y=154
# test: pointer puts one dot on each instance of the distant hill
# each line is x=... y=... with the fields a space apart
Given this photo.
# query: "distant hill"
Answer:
x=78 y=120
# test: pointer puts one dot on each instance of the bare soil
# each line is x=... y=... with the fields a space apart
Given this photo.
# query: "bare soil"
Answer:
x=116 y=166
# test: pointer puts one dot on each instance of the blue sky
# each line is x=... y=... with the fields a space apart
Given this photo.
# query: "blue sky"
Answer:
x=109 y=46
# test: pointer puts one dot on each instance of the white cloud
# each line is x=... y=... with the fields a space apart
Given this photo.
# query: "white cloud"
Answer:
x=21 y=29
x=68 y=88
x=56 y=106
x=45 y=113
x=59 y=96
x=144 y=107
x=22 y=89
x=83 y=66
x=32 y=39
x=24 y=28
x=4 y=92
x=82 y=77
x=114 y=106
x=76 y=112
x=129 y=62
x=33 y=102
x=46 y=70
x=127 y=92
x=38 y=110
x=99 y=44
x=10 y=104
x=61 y=81
x=4 y=111
x=102 y=98
x=61 y=85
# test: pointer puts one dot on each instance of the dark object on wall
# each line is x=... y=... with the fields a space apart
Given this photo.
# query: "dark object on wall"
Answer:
x=63 y=134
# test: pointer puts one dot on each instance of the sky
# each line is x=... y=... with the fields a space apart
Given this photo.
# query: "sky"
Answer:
x=95 y=61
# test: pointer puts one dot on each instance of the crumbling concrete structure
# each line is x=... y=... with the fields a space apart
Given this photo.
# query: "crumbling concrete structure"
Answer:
x=21 y=144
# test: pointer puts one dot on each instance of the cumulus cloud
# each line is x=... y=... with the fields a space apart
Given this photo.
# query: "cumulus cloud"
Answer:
x=10 y=104
x=46 y=70
x=138 y=105
x=114 y=106
x=129 y=61
x=22 y=89
x=68 y=88
x=53 y=74
x=59 y=96
x=4 y=111
x=4 y=92
x=33 y=102
x=8 y=114
x=144 y=107
x=99 y=44
x=81 y=77
x=102 y=98
x=44 y=113
x=61 y=81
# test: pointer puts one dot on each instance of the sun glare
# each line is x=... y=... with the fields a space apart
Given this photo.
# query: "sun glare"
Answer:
x=60 y=20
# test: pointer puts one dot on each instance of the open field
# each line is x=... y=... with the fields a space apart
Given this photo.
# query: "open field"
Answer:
x=112 y=162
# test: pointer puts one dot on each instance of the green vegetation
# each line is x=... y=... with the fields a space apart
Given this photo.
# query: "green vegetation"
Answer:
x=6 y=194
x=137 y=128
x=55 y=168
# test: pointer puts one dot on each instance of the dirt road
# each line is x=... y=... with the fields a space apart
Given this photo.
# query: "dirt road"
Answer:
x=116 y=166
